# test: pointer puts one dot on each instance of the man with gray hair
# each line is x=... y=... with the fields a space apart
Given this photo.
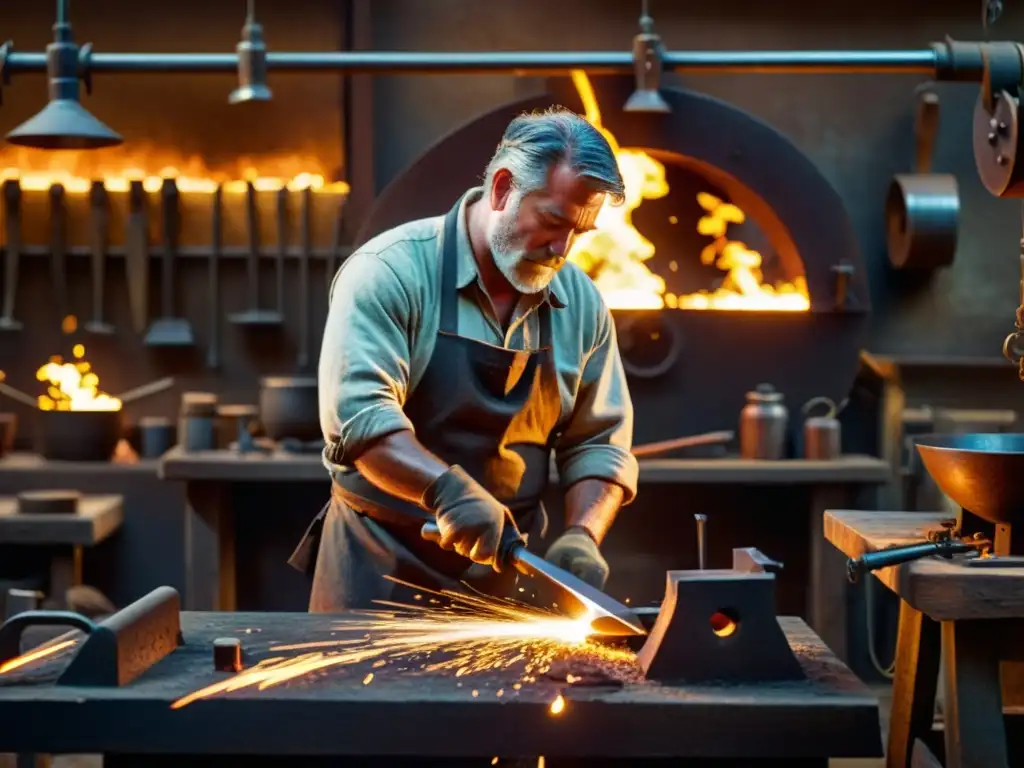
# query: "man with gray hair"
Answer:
x=460 y=353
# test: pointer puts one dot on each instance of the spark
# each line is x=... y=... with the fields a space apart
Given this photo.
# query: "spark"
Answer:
x=39 y=653
x=557 y=706
x=469 y=635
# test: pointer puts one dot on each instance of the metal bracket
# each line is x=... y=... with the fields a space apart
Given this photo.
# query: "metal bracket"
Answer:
x=85 y=67
x=5 y=73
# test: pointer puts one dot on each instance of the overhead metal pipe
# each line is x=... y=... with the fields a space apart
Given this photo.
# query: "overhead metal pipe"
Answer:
x=908 y=62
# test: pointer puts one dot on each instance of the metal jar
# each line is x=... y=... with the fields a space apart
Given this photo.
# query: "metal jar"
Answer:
x=763 y=423
x=197 y=421
x=823 y=435
x=290 y=408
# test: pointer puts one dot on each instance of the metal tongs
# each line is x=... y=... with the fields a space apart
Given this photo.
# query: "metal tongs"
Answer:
x=944 y=542
x=576 y=597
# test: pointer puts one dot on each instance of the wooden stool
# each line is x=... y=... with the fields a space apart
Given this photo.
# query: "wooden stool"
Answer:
x=969 y=621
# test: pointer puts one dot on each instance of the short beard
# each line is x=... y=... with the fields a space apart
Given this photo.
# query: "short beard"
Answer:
x=510 y=257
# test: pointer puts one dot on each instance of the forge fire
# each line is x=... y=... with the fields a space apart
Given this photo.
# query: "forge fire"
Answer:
x=616 y=253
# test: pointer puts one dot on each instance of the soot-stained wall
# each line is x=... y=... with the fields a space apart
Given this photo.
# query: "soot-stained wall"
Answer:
x=858 y=129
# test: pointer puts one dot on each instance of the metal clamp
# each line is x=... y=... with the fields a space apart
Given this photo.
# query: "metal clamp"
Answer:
x=85 y=67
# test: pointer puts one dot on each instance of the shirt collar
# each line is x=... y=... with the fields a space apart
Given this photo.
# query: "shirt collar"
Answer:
x=467 y=272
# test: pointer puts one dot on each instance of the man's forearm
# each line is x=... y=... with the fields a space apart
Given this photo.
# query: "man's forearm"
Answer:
x=592 y=504
x=401 y=466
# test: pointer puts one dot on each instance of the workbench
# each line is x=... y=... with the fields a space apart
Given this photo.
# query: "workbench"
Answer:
x=407 y=711
x=970 y=618
x=64 y=535
x=210 y=519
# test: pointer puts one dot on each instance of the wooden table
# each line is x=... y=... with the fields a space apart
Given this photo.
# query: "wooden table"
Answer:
x=97 y=518
x=970 y=618
x=210 y=551
x=405 y=710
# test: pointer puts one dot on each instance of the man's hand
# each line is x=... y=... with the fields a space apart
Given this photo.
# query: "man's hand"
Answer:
x=576 y=552
x=469 y=518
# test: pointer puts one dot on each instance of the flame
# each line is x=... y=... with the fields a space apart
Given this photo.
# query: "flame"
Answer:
x=614 y=254
x=73 y=386
x=38 y=169
x=476 y=634
x=557 y=706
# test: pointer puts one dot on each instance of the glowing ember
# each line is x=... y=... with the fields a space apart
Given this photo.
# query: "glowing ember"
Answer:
x=470 y=636
x=73 y=386
x=38 y=169
x=557 y=706
x=614 y=254
x=36 y=655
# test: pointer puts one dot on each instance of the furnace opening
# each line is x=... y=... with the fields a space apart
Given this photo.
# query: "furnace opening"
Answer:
x=677 y=241
x=724 y=623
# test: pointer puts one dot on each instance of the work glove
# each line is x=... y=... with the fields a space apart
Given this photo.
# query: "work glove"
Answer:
x=469 y=518
x=576 y=552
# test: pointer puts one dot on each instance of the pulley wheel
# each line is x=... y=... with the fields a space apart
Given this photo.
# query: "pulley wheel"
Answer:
x=922 y=213
x=649 y=346
x=997 y=147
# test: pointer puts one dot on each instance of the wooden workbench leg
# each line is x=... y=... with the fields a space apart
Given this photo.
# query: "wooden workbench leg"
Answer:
x=827 y=588
x=65 y=572
x=918 y=648
x=973 y=705
x=209 y=548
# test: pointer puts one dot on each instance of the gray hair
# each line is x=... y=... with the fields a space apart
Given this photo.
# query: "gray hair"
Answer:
x=534 y=143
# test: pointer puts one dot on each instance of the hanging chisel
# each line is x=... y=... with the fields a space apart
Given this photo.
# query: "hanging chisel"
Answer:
x=213 y=278
x=137 y=256
x=58 y=251
x=99 y=225
x=305 y=254
x=12 y=255
x=577 y=598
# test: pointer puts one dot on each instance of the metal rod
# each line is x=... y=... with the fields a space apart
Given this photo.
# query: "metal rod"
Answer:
x=63 y=11
x=908 y=62
x=702 y=540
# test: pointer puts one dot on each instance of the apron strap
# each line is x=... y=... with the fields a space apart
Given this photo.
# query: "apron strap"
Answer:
x=449 y=271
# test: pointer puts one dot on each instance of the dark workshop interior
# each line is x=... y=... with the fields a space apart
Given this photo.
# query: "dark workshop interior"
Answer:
x=817 y=286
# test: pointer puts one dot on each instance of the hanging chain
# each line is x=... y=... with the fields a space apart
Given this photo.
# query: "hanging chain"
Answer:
x=1013 y=345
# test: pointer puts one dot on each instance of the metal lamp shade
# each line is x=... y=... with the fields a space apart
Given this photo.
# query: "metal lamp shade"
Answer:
x=646 y=100
x=64 y=124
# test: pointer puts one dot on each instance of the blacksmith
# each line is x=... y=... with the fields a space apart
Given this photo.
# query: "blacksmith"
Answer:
x=460 y=353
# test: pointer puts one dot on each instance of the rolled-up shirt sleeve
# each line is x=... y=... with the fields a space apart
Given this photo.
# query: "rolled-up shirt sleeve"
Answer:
x=363 y=376
x=598 y=438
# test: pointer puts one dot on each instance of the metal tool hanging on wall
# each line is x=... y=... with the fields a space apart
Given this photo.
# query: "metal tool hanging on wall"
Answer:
x=99 y=223
x=169 y=330
x=12 y=253
x=254 y=317
x=922 y=209
x=136 y=256
x=58 y=249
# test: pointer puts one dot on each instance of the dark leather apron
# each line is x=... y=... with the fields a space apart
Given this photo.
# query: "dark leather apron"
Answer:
x=491 y=410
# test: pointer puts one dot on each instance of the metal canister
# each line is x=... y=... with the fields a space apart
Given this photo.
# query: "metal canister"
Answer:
x=763 y=423
x=197 y=422
x=823 y=435
x=156 y=436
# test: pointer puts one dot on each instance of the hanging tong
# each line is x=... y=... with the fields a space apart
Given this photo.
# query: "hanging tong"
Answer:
x=58 y=250
x=99 y=225
x=12 y=246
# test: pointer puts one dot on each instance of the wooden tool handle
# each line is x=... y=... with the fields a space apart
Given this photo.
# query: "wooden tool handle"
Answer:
x=169 y=201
